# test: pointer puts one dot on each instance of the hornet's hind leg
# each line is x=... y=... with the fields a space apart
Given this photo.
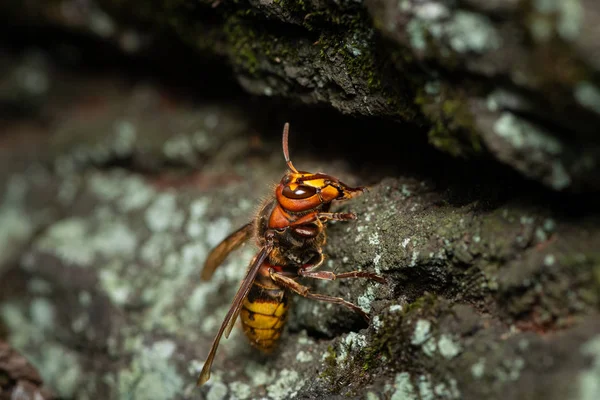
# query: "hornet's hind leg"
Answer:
x=304 y=291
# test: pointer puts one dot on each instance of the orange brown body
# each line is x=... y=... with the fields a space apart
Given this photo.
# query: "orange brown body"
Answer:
x=290 y=232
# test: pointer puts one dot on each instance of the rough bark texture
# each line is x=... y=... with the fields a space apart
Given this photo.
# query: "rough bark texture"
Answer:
x=514 y=80
x=18 y=378
x=115 y=187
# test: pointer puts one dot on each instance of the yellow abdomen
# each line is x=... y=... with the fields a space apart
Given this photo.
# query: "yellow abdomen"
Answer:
x=263 y=315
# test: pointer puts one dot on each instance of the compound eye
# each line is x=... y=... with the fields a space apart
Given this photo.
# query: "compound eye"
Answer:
x=301 y=192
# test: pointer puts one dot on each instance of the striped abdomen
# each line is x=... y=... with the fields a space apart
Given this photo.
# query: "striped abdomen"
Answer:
x=263 y=315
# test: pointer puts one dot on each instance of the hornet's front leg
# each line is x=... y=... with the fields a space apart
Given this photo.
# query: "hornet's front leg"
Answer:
x=304 y=291
x=323 y=216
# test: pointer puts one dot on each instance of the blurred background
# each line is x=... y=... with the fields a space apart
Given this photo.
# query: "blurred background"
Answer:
x=135 y=135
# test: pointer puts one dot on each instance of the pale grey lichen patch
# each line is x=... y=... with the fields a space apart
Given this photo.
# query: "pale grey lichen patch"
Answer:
x=217 y=391
x=126 y=191
x=135 y=195
x=191 y=255
x=233 y=268
x=194 y=367
x=568 y=15
x=429 y=348
x=180 y=147
x=374 y=239
x=31 y=328
x=59 y=367
x=541 y=148
x=259 y=374
x=201 y=140
x=16 y=224
x=478 y=369
x=15 y=227
x=105 y=187
x=67 y=239
x=304 y=356
x=372 y=396
x=151 y=375
x=510 y=370
x=425 y=388
x=351 y=343
x=403 y=388
x=570 y=19
x=114 y=239
x=472 y=32
x=588 y=95
x=421 y=388
x=126 y=134
x=365 y=300
x=377 y=323
x=589 y=379
x=163 y=214
x=240 y=390
x=14 y=318
x=32 y=75
x=395 y=308
x=42 y=313
x=156 y=248
x=461 y=31
x=197 y=301
x=177 y=268
x=422 y=336
x=303 y=338
x=113 y=284
x=522 y=135
x=68 y=189
x=286 y=386
x=543 y=232
x=195 y=226
x=218 y=230
x=448 y=347
x=76 y=243
x=422 y=332
x=559 y=177
x=447 y=391
x=101 y=23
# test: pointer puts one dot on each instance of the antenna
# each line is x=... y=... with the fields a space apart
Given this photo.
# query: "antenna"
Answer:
x=286 y=153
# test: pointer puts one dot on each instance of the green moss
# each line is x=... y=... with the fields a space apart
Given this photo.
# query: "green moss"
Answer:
x=361 y=61
x=453 y=128
x=422 y=306
x=244 y=43
x=330 y=361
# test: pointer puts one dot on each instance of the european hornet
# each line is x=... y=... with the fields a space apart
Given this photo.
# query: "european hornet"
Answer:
x=290 y=232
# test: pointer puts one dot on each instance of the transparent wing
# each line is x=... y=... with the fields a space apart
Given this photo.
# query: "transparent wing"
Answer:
x=234 y=310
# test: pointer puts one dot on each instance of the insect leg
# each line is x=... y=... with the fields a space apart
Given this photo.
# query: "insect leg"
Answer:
x=331 y=276
x=304 y=291
x=327 y=216
x=322 y=216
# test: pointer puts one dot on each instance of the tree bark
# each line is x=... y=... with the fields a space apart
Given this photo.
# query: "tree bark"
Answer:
x=115 y=187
